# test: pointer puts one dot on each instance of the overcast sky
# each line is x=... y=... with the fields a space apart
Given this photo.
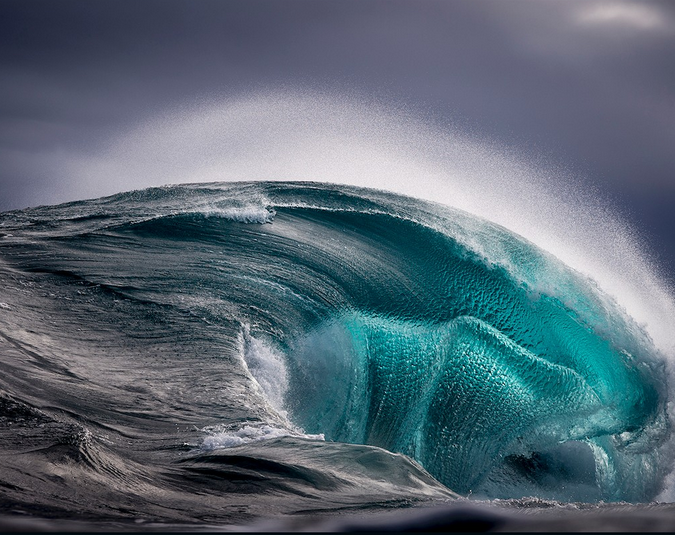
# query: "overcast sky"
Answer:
x=589 y=85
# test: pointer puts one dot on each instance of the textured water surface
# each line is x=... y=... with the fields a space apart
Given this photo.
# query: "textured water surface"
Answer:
x=214 y=353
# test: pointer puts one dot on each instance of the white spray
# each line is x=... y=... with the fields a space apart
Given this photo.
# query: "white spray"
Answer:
x=314 y=137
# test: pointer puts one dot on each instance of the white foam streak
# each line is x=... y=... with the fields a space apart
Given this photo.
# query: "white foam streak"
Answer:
x=244 y=214
x=267 y=368
x=249 y=433
x=299 y=136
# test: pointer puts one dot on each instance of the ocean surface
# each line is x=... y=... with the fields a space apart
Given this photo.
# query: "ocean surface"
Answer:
x=220 y=354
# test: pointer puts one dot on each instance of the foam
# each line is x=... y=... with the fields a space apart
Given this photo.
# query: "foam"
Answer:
x=243 y=214
x=230 y=438
x=266 y=367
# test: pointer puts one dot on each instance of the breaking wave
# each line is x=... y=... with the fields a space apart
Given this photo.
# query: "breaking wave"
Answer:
x=308 y=317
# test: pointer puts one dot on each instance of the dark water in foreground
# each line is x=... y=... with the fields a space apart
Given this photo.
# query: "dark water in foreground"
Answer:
x=214 y=355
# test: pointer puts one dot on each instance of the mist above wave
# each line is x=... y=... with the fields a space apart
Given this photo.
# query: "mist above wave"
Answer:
x=312 y=136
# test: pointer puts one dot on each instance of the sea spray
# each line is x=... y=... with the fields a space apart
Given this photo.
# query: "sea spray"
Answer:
x=312 y=136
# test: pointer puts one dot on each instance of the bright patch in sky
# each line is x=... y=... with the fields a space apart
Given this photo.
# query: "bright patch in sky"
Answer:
x=633 y=15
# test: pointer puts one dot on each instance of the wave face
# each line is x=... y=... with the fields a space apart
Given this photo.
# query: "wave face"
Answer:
x=277 y=338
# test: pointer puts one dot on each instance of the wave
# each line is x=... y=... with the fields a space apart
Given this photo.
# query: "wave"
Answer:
x=305 y=311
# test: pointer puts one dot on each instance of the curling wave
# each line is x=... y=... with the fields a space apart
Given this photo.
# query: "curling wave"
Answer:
x=286 y=313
